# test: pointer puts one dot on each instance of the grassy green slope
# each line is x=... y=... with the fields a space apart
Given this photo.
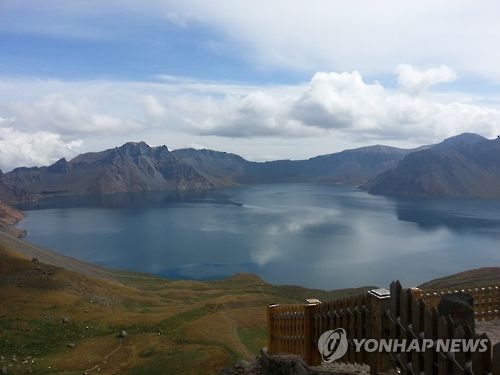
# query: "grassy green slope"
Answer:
x=54 y=320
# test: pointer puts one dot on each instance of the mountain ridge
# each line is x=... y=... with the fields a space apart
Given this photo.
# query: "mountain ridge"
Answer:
x=463 y=165
x=137 y=167
x=466 y=165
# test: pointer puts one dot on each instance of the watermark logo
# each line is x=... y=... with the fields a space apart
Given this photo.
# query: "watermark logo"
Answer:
x=333 y=345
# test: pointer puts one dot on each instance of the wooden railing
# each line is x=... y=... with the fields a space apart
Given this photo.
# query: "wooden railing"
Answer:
x=296 y=329
x=286 y=325
x=401 y=314
x=411 y=318
x=351 y=314
x=486 y=300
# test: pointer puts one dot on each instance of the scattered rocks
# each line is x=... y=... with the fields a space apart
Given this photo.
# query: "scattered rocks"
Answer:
x=287 y=364
x=284 y=365
x=267 y=364
x=122 y=334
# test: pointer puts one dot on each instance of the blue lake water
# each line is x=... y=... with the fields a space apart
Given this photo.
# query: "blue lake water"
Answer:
x=312 y=235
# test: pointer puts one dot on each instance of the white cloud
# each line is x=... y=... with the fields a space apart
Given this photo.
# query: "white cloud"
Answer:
x=53 y=112
x=339 y=101
x=152 y=107
x=369 y=36
x=332 y=111
x=322 y=35
x=177 y=19
x=416 y=81
x=332 y=105
x=33 y=149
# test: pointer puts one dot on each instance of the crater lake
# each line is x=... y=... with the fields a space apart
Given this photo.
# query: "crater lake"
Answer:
x=320 y=236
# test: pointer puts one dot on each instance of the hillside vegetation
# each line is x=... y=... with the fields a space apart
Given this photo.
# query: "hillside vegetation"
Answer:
x=67 y=320
x=53 y=320
x=486 y=276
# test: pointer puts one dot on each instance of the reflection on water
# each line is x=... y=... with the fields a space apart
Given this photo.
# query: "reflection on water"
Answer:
x=460 y=215
x=131 y=200
x=313 y=235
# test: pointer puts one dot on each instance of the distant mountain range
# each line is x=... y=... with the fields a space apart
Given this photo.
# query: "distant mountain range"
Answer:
x=464 y=165
x=467 y=165
x=136 y=167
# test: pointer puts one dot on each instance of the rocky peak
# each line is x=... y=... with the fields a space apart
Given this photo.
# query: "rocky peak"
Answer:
x=459 y=140
x=160 y=151
x=60 y=166
x=134 y=149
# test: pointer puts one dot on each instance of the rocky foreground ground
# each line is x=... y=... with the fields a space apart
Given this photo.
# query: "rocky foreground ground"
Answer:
x=266 y=364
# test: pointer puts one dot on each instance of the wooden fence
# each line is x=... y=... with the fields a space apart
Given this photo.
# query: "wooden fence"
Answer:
x=411 y=318
x=286 y=324
x=486 y=300
x=398 y=314
x=351 y=314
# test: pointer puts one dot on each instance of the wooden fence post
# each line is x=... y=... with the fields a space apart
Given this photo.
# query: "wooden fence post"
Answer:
x=270 y=328
x=378 y=305
x=312 y=356
x=496 y=359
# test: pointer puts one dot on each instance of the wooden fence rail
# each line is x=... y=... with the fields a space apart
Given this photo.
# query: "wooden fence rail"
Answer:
x=286 y=327
x=486 y=300
x=398 y=314
x=411 y=318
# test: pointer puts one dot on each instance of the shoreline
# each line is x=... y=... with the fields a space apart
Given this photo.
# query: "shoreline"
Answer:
x=13 y=230
x=18 y=247
x=16 y=238
x=9 y=218
x=30 y=251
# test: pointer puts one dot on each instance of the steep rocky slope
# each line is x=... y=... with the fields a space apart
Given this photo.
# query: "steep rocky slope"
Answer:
x=137 y=167
x=463 y=166
x=9 y=216
x=133 y=167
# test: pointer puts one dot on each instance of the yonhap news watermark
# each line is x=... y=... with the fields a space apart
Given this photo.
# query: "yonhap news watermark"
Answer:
x=333 y=345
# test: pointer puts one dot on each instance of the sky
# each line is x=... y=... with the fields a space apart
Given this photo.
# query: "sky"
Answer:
x=263 y=79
